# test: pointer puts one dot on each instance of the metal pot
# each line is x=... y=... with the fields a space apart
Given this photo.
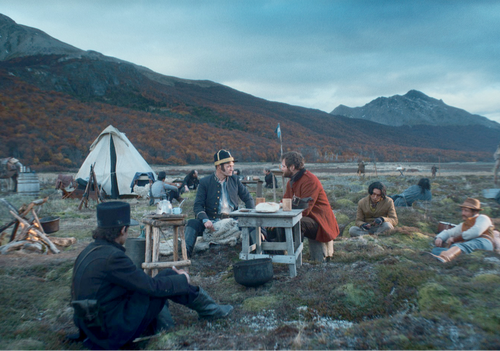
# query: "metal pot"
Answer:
x=253 y=272
x=50 y=224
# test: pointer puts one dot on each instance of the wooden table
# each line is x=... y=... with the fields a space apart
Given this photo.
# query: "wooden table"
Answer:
x=279 y=173
x=289 y=220
x=256 y=181
x=154 y=223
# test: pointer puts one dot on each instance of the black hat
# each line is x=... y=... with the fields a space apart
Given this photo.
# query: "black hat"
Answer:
x=114 y=214
x=223 y=156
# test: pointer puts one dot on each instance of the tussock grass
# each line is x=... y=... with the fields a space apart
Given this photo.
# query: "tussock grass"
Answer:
x=377 y=292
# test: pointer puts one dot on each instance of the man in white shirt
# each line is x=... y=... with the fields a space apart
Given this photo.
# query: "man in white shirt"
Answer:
x=475 y=233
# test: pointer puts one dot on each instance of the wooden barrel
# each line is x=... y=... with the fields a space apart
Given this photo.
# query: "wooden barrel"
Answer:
x=28 y=184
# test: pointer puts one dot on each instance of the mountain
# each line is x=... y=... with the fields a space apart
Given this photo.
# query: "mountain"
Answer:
x=55 y=99
x=413 y=108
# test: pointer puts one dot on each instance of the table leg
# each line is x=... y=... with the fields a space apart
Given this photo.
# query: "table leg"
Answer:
x=149 y=241
x=297 y=238
x=245 y=243
x=258 y=240
x=156 y=249
x=291 y=251
x=259 y=189
x=183 y=245
x=176 y=243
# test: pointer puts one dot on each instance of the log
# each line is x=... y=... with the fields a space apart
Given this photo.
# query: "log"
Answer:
x=42 y=236
x=35 y=247
x=64 y=242
x=14 y=245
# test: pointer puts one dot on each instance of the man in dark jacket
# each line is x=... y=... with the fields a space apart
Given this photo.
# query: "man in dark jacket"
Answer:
x=114 y=301
x=217 y=196
x=269 y=178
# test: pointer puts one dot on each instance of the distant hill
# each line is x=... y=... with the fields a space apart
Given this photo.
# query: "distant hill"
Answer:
x=413 y=108
x=55 y=99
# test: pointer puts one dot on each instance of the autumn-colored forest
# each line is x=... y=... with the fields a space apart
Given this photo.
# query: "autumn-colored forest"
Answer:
x=50 y=130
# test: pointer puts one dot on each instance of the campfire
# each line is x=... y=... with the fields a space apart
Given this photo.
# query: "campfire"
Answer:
x=29 y=235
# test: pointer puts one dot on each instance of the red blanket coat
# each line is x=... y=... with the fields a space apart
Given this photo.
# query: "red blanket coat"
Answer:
x=319 y=208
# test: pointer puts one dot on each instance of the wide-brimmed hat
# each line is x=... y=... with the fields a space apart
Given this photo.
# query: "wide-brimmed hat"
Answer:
x=223 y=156
x=114 y=214
x=473 y=204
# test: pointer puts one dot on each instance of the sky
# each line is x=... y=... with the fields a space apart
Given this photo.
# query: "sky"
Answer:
x=315 y=53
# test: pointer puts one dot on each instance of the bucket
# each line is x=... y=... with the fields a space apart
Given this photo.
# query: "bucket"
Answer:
x=50 y=224
x=136 y=250
x=28 y=184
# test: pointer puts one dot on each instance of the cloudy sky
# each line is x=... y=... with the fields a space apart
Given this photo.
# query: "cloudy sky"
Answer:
x=311 y=53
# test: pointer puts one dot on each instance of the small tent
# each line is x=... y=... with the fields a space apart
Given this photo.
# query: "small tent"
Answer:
x=116 y=162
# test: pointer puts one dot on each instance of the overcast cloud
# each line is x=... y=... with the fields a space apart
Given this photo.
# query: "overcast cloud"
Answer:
x=316 y=54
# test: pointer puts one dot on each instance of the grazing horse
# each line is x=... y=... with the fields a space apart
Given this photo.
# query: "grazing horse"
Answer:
x=10 y=168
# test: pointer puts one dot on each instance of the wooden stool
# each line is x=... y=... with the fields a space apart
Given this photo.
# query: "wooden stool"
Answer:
x=153 y=225
x=319 y=251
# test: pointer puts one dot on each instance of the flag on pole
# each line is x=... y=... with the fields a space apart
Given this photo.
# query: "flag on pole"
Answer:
x=278 y=131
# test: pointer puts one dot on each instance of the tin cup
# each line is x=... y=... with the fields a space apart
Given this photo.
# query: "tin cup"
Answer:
x=287 y=204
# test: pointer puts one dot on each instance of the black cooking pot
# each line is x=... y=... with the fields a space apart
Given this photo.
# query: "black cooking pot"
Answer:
x=50 y=224
x=253 y=272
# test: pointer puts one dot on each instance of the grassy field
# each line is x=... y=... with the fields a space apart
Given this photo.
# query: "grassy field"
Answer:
x=378 y=292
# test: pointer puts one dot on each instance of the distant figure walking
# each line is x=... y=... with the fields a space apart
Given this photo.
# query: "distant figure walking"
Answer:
x=434 y=169
x=361 y=168
x=496 y=156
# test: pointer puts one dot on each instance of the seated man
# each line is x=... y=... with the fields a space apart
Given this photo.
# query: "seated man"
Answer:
x=376 y=213
x=191 y=181
x=475 y=233
x=217 y=196
x=318 y=221
x=114 y=301
x=160 y=188
x=269 y=179
x=421 y=191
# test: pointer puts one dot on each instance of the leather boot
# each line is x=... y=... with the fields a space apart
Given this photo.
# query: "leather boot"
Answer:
x=164 y=321
x=190 y=237
x=207 y=308
x=449 y=255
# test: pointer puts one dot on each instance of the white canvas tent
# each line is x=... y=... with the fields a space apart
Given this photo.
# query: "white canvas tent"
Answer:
x=116 y=162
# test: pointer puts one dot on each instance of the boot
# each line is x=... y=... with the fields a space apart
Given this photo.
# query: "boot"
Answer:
x=164 y=321
x=190 y=237
x=207 y=308
x=449 y=255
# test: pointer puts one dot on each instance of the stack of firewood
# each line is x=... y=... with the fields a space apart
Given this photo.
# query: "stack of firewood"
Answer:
x=31 y=236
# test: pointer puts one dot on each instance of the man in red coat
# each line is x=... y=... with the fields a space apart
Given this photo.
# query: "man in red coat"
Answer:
x=318 y=221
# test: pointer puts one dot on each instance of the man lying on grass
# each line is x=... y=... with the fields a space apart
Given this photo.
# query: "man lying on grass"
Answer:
x=475 y=233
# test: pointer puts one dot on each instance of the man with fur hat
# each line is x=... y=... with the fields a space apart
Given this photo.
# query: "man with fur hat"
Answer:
x=475 y=233
x=114 y=301
x=376 y=213
x=218 y=195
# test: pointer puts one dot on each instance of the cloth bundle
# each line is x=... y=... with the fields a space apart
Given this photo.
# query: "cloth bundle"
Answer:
x=142 y=191
x=226 y=233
